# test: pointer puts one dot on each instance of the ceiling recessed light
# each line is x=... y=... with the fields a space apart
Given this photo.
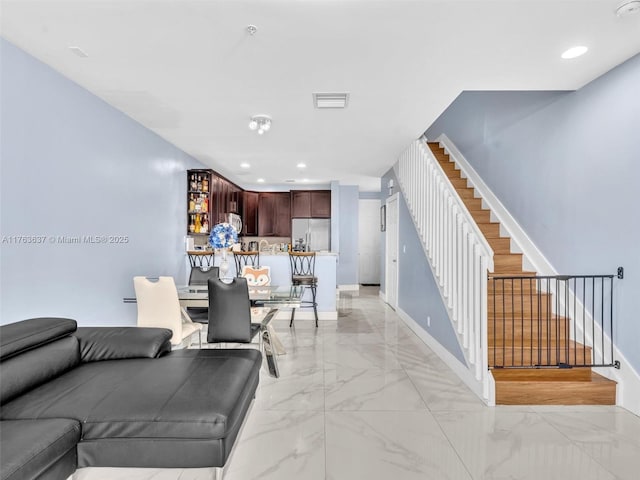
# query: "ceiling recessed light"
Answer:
x=301 y=165
x=305 y=180
x=79 y=52
x=261 y=180
x=245 y=165
x=574 y=52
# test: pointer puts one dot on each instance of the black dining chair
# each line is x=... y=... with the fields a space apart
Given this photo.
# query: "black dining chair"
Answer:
x=250 y=259
x=199 y=276
x=303 y=266
x=230 y=318
x=230 y=312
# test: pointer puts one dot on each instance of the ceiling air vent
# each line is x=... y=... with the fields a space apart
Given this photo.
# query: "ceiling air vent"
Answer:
x=330 y=100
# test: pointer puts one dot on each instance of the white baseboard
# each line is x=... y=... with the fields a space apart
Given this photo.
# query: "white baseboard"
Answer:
x=628 y=391
x=355 y=287
x=447 y=357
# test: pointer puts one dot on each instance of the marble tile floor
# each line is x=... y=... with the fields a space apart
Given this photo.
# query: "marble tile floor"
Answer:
x=363 y=398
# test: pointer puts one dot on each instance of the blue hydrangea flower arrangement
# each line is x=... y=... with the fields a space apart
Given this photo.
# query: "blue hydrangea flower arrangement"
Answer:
x=223 y=235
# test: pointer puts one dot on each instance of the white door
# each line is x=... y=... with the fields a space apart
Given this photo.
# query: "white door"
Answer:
x=369 y=261
x=391 y=277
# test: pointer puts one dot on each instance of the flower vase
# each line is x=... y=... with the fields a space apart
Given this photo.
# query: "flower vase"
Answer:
x=224 y=264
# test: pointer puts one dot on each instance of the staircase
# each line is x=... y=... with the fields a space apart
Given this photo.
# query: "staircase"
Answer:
x=515 y=308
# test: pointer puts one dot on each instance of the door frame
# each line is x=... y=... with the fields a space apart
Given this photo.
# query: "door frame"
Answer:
x=395 y=232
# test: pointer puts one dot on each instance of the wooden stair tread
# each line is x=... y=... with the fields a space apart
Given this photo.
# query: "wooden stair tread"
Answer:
x=523 y=273
x=574 y=386
x=549 y=375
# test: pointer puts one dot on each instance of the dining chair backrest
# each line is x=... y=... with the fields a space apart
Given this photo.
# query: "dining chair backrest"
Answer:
x=158 y=304
x=243 y=259
x=229 y=311
x=199 y=276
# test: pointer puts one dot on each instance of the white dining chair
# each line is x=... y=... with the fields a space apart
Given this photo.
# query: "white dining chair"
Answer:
x=158 y=306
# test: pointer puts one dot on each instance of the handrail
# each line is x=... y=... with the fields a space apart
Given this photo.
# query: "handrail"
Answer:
x=458 y=252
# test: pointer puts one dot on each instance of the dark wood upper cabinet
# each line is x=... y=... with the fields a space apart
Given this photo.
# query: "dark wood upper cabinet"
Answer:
x=311 y=204
x=300 y=204
x=250 y=213
x=321 y=204
x=274 y=214
x=211 y=197
x=283 y=215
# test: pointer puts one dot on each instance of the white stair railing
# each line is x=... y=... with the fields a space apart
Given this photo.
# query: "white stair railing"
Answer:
x=458 y=252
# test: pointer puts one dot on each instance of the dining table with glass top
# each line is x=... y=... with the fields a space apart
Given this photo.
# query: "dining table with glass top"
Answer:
x=272 y=297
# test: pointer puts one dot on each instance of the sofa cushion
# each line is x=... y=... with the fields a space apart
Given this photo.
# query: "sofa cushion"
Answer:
x=194 y=394
x=114 y=343
x=21 y=373
x=19 y=337
x=32 y=447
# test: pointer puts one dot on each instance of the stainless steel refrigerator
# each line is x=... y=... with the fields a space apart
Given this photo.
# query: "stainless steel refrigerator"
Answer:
x=314 y=232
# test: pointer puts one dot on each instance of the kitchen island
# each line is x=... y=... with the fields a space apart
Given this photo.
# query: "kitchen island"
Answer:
x=326 y=272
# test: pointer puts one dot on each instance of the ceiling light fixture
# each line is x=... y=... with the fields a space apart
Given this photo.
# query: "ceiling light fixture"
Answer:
x=252 y=29
x=261 y=180
x=628 y=8
x=301 y=165
x=262 y=123
x=245 y=165
x=574 y=52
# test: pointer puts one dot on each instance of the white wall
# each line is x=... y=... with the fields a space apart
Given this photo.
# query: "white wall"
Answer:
x=369 y=241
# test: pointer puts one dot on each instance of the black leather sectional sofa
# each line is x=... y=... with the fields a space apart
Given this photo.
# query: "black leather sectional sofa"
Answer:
x=115 y=397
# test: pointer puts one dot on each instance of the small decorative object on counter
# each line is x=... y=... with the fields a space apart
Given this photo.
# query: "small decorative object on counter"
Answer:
x=223 y=236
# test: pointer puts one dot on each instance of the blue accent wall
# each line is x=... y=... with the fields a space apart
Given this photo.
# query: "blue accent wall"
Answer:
x=418 y=293
x=71 y=165
x=566 y=166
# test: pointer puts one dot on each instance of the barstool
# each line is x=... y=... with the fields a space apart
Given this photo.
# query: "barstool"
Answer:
x=303 y=265
x=243 y=259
